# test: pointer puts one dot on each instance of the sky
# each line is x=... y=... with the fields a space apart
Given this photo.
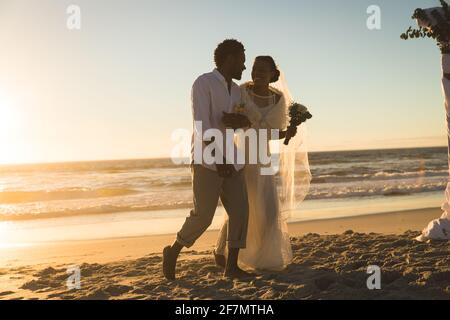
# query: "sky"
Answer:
x=120 y=86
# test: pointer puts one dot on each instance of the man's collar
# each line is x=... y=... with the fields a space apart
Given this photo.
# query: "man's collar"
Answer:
x=222 y=78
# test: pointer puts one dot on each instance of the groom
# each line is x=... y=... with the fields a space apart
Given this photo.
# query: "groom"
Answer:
x=214 y=95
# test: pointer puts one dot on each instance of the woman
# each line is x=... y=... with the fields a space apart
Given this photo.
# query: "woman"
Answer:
x=266 y=106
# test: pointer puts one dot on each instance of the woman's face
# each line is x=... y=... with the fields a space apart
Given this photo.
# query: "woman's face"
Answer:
x=262 y=73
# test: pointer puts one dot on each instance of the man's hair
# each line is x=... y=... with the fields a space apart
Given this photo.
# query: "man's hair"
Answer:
x=226 y=48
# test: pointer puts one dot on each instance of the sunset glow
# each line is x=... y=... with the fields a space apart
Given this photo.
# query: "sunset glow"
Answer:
x=9 y=128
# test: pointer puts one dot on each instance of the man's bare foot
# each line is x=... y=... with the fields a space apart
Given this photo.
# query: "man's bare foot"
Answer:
x=220 y=259
x=237 y=273
x=169 y=263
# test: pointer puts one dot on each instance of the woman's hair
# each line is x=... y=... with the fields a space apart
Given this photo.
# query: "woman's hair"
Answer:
x=272 y=63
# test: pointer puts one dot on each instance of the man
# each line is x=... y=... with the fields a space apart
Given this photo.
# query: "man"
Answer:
x=214 y=95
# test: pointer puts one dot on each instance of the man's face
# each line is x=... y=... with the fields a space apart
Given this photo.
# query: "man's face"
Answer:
x=238 y=66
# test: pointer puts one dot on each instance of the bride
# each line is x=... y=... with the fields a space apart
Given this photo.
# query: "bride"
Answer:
x=266 y=100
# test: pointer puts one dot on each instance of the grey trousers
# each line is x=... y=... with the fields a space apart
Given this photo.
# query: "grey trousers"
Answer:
x=208 y=187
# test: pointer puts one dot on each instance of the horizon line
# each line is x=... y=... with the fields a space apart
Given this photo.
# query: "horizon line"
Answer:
x=161 y=158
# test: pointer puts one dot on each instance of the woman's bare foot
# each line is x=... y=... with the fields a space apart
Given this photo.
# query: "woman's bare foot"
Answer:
x=237 y=273
x=220 y=260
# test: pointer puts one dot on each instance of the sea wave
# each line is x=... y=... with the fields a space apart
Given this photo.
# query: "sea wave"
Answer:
x=13 y=197
x=182 y=199
x=343 y=176
x=98 y=187
x=110 y=166
x=369 y=189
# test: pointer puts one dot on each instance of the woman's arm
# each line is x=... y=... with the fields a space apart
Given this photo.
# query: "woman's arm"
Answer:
x=283 y=134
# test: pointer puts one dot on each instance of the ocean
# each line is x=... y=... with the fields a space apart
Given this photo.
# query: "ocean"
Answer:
x=157 y=185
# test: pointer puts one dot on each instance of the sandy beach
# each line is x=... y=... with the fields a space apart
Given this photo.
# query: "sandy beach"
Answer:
x=330 y=262
x=114 y=125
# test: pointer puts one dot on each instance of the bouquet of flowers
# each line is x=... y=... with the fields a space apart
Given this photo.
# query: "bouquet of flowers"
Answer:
x=239 y=108
x=237 y=119
x=298 y=114
x=433 y=23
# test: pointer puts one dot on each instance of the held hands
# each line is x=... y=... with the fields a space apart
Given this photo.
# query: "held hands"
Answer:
x=223 y=170
x=235 y=120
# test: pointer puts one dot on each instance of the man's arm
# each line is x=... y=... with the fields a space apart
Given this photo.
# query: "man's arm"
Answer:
x=201 y=109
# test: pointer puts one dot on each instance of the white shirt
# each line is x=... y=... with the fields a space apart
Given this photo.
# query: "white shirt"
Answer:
x=210 y=98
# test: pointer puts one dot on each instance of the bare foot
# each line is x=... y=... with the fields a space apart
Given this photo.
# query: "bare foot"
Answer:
x=237 y=273
x=220 y=259
x=169 y=263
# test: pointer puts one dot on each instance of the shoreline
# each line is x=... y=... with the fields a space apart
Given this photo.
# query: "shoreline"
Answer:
x=329 y=262
x=123 y=248
x=135 y=224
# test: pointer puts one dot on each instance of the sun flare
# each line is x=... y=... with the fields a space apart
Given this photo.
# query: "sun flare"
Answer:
x=8 y=117
x=9 y=127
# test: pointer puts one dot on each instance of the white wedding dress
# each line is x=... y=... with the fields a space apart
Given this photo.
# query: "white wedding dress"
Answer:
x=268 y=244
